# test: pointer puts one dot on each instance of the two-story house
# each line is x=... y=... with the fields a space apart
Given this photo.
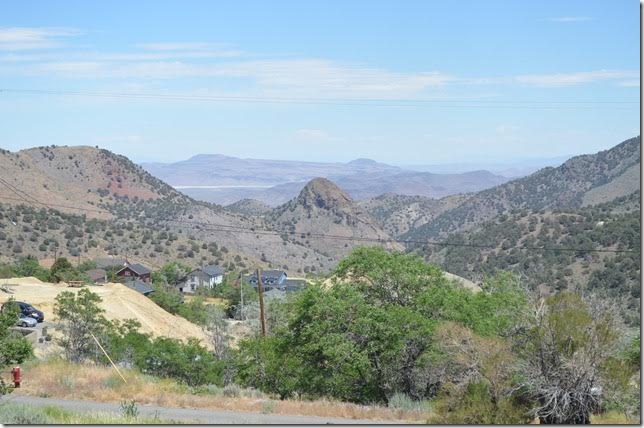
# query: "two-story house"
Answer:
x=134 y=271
x=271 y=278
x=204 y=277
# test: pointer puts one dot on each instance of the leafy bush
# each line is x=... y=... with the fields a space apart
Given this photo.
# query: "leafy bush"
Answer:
x=62 y=270
x=474 y=404
x=14 y=348
x=188 y=362
x=28 y=266
x=79 y=316
x=404 y=402
x=375 y=336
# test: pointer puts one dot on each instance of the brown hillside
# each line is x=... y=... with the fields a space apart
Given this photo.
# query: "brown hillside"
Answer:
x=147 y=219
x=323 y=208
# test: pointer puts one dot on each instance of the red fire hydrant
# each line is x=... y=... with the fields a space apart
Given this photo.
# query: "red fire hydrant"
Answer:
x=15 y=373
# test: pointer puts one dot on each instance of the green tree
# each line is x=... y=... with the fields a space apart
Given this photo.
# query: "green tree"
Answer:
x=86 y=265
x=169 y=299
x=372 y=334
x=79 y=316
x=62 y=270
x=14 y=348
x=336 y=344
x=188 y=362
x=170 y=273
x=29 y=266
x=387 y=277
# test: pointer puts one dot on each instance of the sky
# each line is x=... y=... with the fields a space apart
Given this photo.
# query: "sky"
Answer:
x=402 y=82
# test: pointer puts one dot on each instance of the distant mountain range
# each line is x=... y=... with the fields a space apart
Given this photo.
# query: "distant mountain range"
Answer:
x=85 y=202
x=225 y=180
x=514 y=169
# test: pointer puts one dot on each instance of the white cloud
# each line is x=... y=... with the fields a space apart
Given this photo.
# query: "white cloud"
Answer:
x=73 y=67
x=302 y=78
x=181 y=46
x=568 y=79
x=571 y=19
x=24 y=38
x=272 y=77
x=116 y=56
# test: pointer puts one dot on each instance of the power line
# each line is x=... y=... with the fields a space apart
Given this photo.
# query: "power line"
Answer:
x=18 y=192
x=376 y=102
x=265 y=232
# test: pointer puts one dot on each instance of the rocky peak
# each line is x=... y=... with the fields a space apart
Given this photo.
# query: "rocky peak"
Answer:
x=323 y=193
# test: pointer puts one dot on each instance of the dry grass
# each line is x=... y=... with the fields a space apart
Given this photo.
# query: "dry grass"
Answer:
x=20 y=414
x=612 y=418
x=207 y=300
x=60 y=379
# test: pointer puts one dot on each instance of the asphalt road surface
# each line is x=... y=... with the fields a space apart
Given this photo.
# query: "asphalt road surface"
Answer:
x=205 y=416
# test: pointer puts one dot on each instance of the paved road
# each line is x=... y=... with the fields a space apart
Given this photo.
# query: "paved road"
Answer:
x=190 y=415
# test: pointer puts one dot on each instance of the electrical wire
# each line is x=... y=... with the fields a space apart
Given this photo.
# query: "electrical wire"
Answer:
x=215 y=227
x=376 y=102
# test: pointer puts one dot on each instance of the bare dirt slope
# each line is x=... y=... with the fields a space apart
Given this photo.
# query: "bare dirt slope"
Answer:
x=119 y=303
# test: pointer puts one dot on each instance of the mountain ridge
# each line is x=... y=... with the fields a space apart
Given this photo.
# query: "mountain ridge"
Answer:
x=549 y=187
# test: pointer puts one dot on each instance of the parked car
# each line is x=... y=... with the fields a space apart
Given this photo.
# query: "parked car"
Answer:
x=24 y=321
x=25 y=309
x=29 y=311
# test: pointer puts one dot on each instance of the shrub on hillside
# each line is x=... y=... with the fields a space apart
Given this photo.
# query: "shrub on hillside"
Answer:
x=14 y=348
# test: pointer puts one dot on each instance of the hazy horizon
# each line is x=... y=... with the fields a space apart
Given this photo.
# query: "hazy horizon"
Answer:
x=448 y=167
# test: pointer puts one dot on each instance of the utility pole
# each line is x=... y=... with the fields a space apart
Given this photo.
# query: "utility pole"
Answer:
x=260 y=289
x=241 y=292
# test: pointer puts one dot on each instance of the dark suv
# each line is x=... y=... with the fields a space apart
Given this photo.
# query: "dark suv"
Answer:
x=29 y=311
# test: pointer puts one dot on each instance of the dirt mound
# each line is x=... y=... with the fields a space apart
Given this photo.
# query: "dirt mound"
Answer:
x=118 y=301
x=463 y=282
x=21 y=281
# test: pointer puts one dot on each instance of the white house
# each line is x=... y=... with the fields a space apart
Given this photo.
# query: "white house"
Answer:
x=205 y=278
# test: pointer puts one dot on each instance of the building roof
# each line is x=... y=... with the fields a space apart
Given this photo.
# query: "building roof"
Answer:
x=136 y=268
x=139 y=286
x=213 y=270
x=269 y=273
x=272 y=273
x=96 y=274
